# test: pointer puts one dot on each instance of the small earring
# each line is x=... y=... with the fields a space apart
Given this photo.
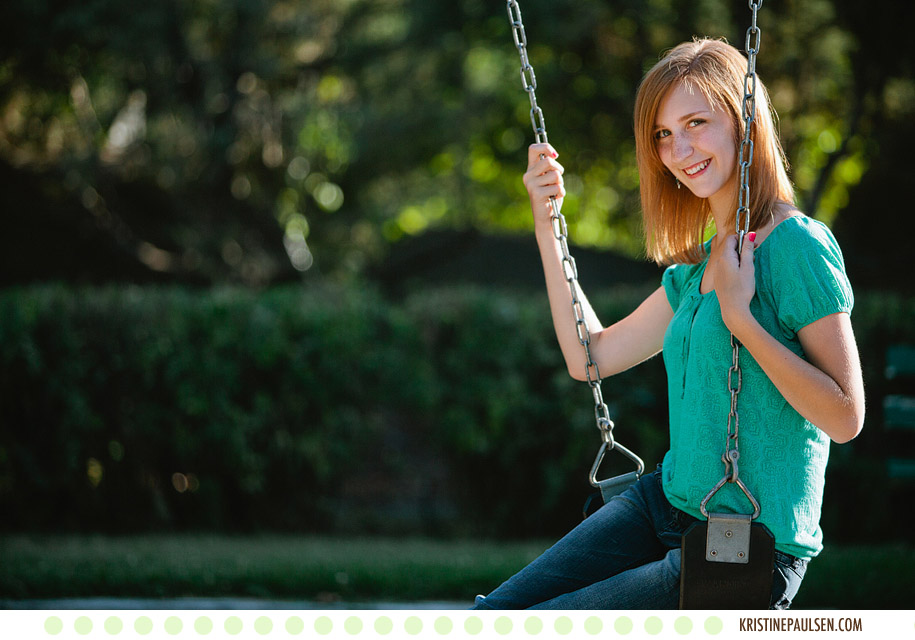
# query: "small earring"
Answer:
x=678 y=182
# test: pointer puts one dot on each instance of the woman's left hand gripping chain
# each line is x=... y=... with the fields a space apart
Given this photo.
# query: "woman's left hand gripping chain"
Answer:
x=735 y=281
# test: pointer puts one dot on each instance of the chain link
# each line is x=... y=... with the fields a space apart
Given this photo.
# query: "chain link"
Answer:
x=561 y=233
x=731 y=453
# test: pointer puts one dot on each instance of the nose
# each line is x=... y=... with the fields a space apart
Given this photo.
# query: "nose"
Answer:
x=681 y=148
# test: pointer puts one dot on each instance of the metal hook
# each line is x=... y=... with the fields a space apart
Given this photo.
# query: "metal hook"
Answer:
x=740 y=483
x=610 y=487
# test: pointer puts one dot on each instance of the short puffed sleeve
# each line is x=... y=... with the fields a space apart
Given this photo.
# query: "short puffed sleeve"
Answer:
x=672 y=281
x=677 y=278
x=808 y=276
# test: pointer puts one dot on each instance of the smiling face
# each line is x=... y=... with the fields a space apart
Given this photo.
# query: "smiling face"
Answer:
x=696 y=144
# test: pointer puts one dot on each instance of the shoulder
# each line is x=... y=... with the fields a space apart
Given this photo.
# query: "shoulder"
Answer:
x=800 y=231
x=800 y=241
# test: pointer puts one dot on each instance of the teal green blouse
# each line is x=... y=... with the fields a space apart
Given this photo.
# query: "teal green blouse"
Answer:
x=800 y=278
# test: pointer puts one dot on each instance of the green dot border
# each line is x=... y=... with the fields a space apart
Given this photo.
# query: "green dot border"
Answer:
x=53 y=625
x=143 y=625
x=113 y=625
x=203 y=625
x=83 y=625
x=233 y=625
x=378 y=625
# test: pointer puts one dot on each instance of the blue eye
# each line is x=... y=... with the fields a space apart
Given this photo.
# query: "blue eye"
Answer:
x=663 y=133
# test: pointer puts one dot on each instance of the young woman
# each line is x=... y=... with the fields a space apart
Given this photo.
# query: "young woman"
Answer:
x=786 y=299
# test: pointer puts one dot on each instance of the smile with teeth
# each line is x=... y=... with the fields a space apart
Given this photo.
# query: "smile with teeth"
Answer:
x=696 y=168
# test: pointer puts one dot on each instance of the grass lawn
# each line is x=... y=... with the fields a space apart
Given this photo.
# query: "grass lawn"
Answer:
x=280 y=567
x=360 y=569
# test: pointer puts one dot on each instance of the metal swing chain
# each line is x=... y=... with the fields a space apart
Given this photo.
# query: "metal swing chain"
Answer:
x=731 y=453
x=560 y=231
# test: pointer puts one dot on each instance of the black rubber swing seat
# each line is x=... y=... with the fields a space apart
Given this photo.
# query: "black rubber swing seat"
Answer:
x=705 y=584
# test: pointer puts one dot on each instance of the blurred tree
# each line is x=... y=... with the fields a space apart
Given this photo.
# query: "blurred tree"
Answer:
x=880 y=131
x=250 y=140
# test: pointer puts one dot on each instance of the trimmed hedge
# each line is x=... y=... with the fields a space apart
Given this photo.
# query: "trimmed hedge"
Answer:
x=335 y=410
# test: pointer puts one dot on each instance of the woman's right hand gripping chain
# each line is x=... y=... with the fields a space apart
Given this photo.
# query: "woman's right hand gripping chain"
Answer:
x=543 y=180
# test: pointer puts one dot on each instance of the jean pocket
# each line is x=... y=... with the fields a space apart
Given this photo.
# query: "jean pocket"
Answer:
x=786 y=580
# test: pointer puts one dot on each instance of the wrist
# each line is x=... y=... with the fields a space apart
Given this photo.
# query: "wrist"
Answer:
x=740 y=322
x=543 y=228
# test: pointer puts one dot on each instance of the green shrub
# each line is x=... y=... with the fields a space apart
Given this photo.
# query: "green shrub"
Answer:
x=260 y=402
x=329 y=409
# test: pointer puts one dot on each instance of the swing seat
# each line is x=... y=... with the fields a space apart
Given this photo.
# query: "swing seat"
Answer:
x=610 y=487
x=615 y=486
x=718 y=570
x=607 y=489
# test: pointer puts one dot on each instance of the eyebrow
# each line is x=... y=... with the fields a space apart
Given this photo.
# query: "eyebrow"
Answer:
x=683 y=118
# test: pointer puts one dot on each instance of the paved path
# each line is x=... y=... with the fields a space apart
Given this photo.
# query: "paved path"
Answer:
x=218 y=603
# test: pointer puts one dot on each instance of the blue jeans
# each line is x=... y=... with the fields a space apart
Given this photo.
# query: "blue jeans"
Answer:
x=624 y=556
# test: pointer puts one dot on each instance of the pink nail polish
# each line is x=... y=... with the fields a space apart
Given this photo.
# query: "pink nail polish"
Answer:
x=751 y=236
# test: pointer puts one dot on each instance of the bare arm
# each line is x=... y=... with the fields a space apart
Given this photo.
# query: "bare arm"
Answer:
x=626 y=343
x=827 y=388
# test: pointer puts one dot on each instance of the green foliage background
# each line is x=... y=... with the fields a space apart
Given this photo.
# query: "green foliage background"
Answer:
x=250 y=141
x=334 y=410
